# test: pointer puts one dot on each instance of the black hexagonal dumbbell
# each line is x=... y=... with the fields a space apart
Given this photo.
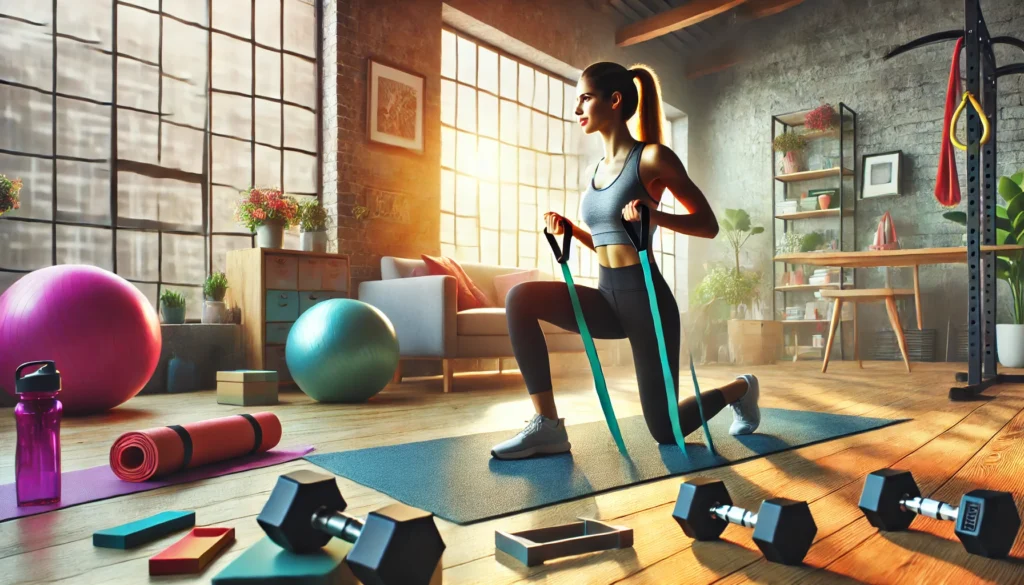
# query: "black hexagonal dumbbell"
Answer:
x=986 y=521
x=397 y=544
x=783 y=529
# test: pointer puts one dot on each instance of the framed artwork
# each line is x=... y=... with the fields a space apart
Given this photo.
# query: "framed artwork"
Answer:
x=395 y=106
x=881 y=174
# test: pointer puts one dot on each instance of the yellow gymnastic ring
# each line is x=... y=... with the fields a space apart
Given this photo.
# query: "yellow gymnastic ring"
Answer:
x=956 y=118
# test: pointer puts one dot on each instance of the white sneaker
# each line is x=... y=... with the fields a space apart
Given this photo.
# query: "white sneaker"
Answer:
x=541 y=436
x=746 y=414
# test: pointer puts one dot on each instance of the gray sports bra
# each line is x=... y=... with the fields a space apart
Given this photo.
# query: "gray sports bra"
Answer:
x=601 y=209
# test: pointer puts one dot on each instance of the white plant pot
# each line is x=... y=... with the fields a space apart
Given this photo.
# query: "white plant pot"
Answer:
x=313 y=241
x=214 y=312
x=1010 y=345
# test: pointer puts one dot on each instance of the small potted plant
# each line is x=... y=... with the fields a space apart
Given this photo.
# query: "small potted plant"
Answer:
x=267 y=212
x=172 y=307
x=790 y=144
x=214 y=289
x=821 y=119
x=9 y=190
x=313 y=221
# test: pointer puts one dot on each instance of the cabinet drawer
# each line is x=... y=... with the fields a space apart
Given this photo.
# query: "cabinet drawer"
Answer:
x=282 y=272
x=275 y=361
x=308 y=298
x=311 y=271
x=278 y=332
x=282 y=305
x=335 y=275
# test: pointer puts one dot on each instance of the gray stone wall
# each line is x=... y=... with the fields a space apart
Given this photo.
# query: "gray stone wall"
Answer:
x=831 y=51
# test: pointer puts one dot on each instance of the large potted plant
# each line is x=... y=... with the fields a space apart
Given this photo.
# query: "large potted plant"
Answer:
x=1009 y=230
x=214 y=289
x=9 y=189
x=267 y=212
x=752 y=340
x=172 y=307
x=313 y=221
x=790 y=144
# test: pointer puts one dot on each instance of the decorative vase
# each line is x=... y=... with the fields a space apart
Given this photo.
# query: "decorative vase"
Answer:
x=790 y=163
x=313 y=241
x=270 y=235
x=172 y=315
x=1010 y=345
x=214 y=311
x=824 y=201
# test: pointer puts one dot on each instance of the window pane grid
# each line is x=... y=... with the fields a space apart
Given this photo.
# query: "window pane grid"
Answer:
x=120 y=115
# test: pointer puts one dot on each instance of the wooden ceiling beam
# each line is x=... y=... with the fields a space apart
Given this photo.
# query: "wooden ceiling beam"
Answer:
x=663 y=23
x=755 y=9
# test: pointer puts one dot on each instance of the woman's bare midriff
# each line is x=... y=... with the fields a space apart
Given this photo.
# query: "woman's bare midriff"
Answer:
x=617 y=255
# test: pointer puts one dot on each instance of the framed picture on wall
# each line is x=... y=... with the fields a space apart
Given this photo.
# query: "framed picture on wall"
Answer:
x=394 y=106
x=881 y=174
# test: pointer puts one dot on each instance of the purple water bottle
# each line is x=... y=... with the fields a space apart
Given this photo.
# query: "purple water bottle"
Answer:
x=37 y=418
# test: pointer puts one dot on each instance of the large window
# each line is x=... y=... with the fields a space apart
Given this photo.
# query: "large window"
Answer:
x=511 y=150
x=134 y=124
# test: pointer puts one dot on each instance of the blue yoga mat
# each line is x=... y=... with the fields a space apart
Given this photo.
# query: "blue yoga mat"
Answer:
x=457 y=479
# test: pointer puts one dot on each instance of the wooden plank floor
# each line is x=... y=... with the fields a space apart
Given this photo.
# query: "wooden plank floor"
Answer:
x=951 y=447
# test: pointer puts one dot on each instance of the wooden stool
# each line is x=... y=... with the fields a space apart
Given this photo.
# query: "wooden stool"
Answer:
x=866 y=295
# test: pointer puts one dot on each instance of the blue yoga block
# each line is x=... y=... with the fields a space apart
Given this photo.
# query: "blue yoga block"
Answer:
x=265 y=563
x=142 y=531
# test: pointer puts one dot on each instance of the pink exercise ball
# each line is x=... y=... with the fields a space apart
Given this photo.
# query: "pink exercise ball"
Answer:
x=101 y=331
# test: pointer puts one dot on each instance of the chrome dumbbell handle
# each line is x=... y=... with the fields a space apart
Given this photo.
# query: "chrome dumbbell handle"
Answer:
x=337 y=524
x=735 y=515
x=930 y=508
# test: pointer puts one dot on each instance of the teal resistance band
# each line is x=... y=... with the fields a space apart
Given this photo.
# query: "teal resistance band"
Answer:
x=562 y=256
x=645 y=261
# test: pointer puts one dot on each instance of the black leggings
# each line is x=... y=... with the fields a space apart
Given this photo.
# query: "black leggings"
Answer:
x=619 y=308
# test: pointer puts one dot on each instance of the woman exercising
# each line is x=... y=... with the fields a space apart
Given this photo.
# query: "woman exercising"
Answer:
x=632 y=173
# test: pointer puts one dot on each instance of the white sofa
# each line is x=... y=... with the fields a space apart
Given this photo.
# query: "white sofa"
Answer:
x=423 y=311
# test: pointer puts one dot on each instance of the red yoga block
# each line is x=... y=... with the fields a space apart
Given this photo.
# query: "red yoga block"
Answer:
x=192 y=553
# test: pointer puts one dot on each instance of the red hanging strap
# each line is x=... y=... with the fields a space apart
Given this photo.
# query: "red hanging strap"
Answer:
x=947 y=183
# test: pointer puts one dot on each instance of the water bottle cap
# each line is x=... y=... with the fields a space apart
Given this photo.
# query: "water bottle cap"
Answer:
x=45 y=379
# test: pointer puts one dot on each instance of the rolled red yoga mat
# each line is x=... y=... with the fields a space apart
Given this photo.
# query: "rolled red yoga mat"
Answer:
x=141 y=455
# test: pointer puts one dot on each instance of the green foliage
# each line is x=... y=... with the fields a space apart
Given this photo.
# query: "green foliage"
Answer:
x=724 y=284
x=9 y=190
x=789 y=142
x=312 y=216
x=737 y=229
x=216 y=286
x=1009 y=231
x=172 y=299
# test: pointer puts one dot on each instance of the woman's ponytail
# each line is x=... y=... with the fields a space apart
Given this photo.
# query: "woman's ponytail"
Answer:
x=648 y=113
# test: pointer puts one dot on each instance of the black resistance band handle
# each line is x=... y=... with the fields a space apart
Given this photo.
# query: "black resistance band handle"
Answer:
x=562 y=256
x=645 y=227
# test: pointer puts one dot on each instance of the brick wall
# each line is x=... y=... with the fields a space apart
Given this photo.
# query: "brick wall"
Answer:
x=398 y=190
x=831 y=51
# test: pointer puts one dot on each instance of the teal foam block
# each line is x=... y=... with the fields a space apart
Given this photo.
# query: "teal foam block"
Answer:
x=265 y=563
x=142 y=531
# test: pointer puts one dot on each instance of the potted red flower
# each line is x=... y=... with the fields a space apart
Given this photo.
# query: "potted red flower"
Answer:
x=267 y=212
x=821 y=119
x=9 y=190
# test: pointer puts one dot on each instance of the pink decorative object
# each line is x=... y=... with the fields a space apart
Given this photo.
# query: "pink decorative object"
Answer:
x=885 y=235
x=790 y=163
x=504 y=282
x=824 y=201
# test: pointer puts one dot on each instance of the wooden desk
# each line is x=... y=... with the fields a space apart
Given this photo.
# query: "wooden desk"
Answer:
x=914 y=257
x=894 y=258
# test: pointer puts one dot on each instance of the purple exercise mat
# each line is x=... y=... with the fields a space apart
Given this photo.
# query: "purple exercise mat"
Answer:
x=100 y=483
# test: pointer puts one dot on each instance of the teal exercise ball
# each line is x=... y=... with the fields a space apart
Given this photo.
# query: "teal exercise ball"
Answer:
x=342 y=350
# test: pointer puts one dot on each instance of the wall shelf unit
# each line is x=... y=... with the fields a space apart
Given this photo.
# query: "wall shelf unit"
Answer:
x=828 y=165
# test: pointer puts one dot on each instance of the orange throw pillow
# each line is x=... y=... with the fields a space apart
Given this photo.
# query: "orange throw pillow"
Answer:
x=470 y=296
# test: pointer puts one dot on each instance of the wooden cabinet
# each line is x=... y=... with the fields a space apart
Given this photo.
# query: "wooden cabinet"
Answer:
x=271 y=288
